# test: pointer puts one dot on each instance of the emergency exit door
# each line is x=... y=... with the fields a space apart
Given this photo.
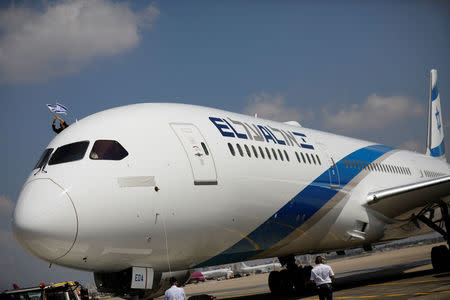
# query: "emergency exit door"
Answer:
x=333 y=169
x=198 y=153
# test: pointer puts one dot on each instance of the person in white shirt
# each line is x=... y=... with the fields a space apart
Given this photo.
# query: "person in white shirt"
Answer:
x=322 y=275
x=174 y=292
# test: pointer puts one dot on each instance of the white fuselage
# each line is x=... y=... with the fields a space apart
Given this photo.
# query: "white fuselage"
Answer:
x=169 y=204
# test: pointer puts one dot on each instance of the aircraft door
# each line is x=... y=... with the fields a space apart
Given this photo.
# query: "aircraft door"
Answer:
x=333 y=169
x=198 y=153
x=334 y=174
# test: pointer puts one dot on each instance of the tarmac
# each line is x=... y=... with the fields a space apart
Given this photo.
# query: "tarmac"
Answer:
x=390 y=274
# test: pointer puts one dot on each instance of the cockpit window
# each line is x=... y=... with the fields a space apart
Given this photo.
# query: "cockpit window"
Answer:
x=68 y=153
x=44 y=158
x=108 y=150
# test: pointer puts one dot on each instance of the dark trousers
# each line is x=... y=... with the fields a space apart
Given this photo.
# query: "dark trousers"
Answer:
x=325 y=291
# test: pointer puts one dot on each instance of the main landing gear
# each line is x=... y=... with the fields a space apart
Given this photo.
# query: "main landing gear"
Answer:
x=290 y=281
x=440 y=255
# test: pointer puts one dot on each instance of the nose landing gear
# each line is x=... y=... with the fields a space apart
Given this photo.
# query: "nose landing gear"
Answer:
x=440 y=255
x=290 y=281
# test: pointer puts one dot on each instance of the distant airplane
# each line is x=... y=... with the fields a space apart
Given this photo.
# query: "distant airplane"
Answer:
x=218 y=273
x=260 y=268
x=140 y=193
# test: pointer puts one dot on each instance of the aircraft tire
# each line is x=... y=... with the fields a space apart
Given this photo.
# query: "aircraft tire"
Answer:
x=299 y=281
x=301 y=277
x=440 y=258
x=287 y=282
x=275 y=282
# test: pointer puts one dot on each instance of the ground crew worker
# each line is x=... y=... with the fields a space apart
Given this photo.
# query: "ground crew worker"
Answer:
x=322 y=275
x=62 y=125
x=174 y=292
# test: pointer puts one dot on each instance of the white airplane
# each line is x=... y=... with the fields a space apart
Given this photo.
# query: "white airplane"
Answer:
x=218 y=273
x=266 y=268
x=139 y=193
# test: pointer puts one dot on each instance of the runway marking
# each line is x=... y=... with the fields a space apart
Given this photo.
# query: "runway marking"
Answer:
x=409 y=282
x=233 y=296
x=382 y=296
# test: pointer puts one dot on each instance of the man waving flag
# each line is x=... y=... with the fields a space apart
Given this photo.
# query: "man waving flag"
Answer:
x=57 y=108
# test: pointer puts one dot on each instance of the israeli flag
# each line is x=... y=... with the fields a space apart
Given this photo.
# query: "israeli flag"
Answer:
x=57 y=108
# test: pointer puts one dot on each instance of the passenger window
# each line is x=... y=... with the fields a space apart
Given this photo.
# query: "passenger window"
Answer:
x=313 y=159
x=254 y=151
x=240 y=149
x=303 y=157
x=287 y=156
x=307 y=156
x=268 y=153
x=44 y=159
x=204 y=148
x=262 y=152
x=280 y=154
x=231 y=149
x=274 y=154
x=69 y=152
x=112 y=150
x=247 y=150
x=318 y=159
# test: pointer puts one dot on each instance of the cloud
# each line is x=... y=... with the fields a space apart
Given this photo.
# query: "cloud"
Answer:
x=375 y=112
x=6 y=206
x=273 y=107
x=62 y=37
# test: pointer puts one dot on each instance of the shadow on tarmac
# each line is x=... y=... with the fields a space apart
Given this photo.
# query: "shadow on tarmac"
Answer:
x=355 y=280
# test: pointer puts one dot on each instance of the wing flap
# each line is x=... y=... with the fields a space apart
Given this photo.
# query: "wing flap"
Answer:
x=395 y=201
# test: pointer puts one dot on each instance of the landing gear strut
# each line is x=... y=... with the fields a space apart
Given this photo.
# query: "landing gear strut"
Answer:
x=440 y=255
x=291 y=280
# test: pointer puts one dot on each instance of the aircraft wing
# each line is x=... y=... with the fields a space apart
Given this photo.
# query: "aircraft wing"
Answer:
x=395 y=201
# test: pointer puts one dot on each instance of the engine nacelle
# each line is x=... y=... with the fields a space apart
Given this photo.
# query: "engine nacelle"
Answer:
x=122 y=282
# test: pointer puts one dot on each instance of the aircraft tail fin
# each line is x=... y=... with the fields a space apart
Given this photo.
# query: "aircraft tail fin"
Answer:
x=243 y=265
x=435 y=139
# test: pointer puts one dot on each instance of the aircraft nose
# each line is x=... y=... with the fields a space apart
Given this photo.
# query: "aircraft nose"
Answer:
x=45 y=220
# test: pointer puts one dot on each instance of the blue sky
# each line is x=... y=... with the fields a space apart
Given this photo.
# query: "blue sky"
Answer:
x=358 y=68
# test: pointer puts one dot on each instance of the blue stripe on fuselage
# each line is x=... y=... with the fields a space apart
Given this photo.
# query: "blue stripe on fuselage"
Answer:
x=298 y=210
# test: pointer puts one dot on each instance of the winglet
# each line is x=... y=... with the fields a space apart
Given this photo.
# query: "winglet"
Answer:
x=435 y=140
